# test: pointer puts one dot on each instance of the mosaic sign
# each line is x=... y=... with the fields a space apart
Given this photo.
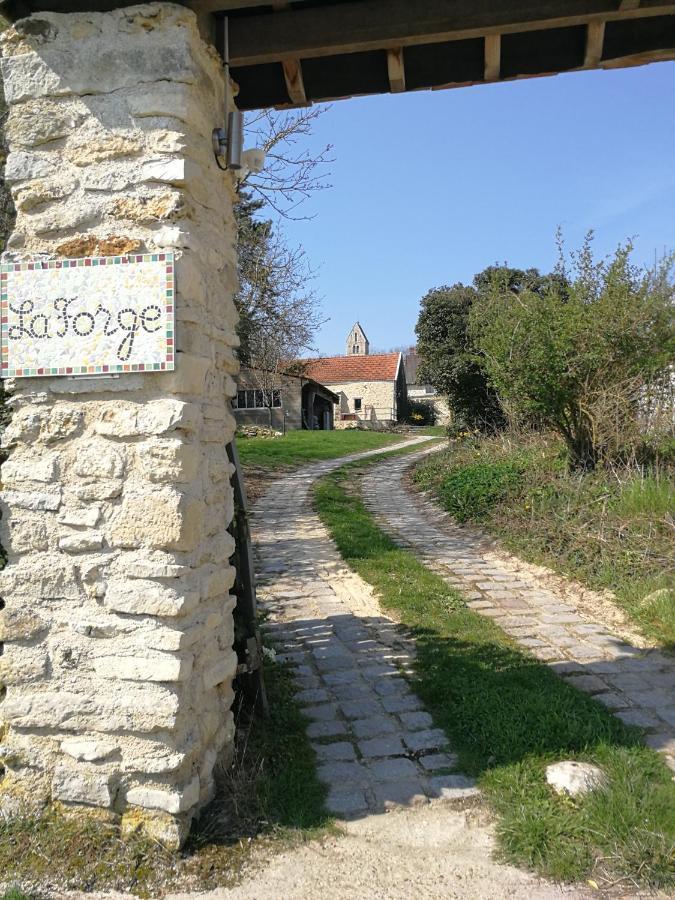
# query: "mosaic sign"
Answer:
x=91 y=316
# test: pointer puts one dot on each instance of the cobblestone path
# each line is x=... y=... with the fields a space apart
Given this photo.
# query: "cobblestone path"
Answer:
x=375 y=744
x=638 y=685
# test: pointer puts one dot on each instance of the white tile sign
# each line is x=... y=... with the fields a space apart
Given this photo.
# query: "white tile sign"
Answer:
x=89 y=316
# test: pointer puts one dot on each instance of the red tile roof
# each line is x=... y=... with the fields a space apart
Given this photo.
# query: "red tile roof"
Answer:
x=336 y=369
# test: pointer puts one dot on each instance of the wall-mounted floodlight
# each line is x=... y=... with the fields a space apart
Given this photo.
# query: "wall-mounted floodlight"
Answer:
x=228 y=142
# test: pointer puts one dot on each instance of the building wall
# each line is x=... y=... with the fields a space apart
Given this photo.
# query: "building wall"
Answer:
x=116 y=662
x=437 y=401
x=380 y=395
x=291 y=403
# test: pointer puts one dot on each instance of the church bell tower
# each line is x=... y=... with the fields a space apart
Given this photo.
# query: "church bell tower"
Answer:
x=357 y=342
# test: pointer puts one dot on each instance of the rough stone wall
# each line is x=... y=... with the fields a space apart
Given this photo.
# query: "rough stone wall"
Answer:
x=116 y=619
x=378 y=394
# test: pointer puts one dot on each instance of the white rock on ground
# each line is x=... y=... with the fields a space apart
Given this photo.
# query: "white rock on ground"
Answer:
x=574 y=778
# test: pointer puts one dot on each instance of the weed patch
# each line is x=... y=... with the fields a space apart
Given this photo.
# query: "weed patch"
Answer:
x=508 y=716
x=611 y=530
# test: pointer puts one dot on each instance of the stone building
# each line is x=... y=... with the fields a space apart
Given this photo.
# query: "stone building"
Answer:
x=424 y=393
x=357 y=342
x=296 y=402
x=371 y=387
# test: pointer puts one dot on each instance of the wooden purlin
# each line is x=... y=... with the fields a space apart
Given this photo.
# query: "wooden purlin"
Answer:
x=355 y=27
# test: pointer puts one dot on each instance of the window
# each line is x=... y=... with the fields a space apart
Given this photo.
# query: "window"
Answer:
x=357 y=404
x=355 y=348
x=252 y=399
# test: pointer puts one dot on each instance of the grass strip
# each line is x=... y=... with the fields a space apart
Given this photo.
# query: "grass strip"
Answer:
x=297 y=447
x=508 y=716
x=268 y=800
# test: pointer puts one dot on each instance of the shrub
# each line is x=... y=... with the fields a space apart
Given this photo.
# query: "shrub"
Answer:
x=590 y=355
x=470 y=492
x=419 y=413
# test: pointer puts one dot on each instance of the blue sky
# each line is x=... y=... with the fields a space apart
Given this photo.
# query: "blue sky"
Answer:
x=430 y=187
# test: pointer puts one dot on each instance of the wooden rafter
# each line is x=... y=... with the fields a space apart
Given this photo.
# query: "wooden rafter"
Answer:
x=595 y=39
x=353 y=27
x=396 y=70
x=493 y=54
x=295 y=84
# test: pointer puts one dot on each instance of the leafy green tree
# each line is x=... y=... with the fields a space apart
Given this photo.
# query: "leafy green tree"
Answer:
x=588 y=353
x=448 y=356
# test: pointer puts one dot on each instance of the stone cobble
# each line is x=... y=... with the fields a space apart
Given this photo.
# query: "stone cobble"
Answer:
x=636 y=684
x=375 y=745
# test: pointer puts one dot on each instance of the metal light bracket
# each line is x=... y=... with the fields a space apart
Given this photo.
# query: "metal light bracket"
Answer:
x=228 y=142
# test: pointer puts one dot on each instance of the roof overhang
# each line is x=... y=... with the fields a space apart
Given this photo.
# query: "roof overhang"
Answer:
x=295 y=52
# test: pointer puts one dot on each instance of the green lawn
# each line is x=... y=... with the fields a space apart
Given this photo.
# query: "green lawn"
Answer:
x=609 y=529
x=297 y=447
x=508 y=716
x=268 y=801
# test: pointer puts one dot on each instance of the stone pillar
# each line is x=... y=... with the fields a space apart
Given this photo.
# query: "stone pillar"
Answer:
x=116 y=618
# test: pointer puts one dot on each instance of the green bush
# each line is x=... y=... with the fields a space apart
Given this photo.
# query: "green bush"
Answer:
x=419 y=413
x=590 y=357
x=470 y=492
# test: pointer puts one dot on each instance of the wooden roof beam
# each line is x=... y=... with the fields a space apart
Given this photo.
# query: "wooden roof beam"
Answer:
x=493 y=56
x=396 y=70
x=595 y=39
x=353 y=27
x=295 y=84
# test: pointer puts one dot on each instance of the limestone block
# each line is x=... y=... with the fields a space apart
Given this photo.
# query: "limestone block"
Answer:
x=217 y=580
x=29 y=467
x=86 y=517
x=98 y=459
x=34 y=500
x=20 y=624
x=25 y=425
x=81 y=542
x=139 y=708
x=154 y=207
x=80 y=786
x=29 y=196
x=88 y=750
x=219 y=470
x=25 y=531
x=149 y=598
x=169 y=801
x=106 y=61
x=63 y=422
x=145 y=668
x=40 y=121
x=26 y=165
x=102 y=489
x=169 y=460
x=154 y=417
x=149 y=564
x=21 y=665
x=27 y=76
x=41 y=575
x=189 y=376
x=92 y=149
x=162 y=519
x=224 y=670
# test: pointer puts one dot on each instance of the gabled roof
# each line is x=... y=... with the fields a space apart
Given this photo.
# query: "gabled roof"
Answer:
x=359 y=326
x=336 y=369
